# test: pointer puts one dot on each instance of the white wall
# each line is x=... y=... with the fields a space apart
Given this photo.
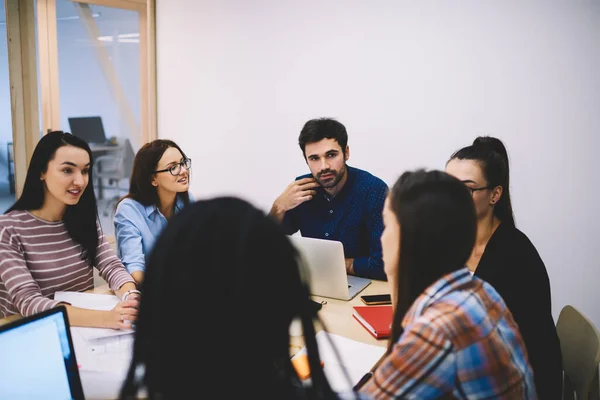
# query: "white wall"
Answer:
x=412 y=82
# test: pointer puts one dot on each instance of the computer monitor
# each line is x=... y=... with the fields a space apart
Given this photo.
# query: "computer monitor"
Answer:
x=38 y=358
x=89 y=129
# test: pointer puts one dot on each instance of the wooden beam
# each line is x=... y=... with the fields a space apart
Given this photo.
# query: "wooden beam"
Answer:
x=135 y=5
x=148 y=75
x=20 y=29
x=151 y=100
x=48 y=64
x=110 y=73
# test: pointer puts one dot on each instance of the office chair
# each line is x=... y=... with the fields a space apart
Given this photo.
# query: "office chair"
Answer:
x=580 y=348
x=113 y=168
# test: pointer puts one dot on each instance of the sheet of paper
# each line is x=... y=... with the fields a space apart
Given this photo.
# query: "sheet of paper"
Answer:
x=103 y=363
x=93 y=301
x=110 y=354
x=353 y=357
x=103 y=355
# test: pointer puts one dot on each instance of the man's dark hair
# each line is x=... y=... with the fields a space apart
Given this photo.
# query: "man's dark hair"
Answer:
x=318 y=129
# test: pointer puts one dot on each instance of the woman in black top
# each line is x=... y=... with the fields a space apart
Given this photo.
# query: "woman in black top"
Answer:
x=505 y=257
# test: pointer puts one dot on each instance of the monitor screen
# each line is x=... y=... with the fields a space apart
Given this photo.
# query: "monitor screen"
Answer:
x=89 y=129
x=38 y=359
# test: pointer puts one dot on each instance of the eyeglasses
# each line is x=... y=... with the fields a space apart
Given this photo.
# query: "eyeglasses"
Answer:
x=473 y=190
x=176 y=169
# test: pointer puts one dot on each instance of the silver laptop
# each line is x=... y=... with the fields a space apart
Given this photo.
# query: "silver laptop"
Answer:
x=327 y=268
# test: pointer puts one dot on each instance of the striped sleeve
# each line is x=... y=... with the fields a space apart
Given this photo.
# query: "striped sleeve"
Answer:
x=109 y=266
x=23 y=291
x=421 y=365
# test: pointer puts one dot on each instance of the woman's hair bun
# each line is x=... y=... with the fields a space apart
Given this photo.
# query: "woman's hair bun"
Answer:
x=491 y=144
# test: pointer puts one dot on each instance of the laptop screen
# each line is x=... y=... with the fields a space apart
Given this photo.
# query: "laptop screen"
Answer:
x=89 y=129
x=326 y=267
x=38 y=360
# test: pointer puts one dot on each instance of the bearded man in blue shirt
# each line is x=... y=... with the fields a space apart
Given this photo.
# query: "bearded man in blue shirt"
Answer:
x=335 y=201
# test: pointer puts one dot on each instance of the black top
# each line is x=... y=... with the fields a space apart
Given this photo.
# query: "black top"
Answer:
x=512 y=265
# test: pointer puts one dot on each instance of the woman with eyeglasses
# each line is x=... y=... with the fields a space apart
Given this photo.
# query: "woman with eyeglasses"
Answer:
x=158 y=190
x=505 y=257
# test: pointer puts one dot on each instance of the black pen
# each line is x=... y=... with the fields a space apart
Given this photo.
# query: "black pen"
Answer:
x=363 y=380
x=369 y=374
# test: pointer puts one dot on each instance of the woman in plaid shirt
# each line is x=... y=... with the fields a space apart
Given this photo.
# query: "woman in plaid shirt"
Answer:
x=452 y=334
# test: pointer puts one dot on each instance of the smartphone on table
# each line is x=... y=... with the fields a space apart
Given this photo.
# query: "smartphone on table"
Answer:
x=375 y=299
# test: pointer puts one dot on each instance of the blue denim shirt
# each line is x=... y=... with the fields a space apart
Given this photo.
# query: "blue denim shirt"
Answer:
x=352 y=217
x=136 y=229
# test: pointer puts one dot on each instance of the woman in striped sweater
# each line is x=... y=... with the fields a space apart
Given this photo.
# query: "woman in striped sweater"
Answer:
x=50 y=239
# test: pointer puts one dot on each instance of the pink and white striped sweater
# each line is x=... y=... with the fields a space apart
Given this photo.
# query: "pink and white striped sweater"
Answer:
x=39 y=258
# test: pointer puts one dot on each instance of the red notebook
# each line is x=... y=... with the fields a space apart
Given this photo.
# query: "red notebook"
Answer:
x=376 y=319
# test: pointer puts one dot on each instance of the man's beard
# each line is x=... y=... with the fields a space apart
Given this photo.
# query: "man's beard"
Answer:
x=330 y=182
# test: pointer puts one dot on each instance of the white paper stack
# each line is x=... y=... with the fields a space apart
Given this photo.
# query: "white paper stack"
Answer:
x=355 y=358
x=103 y=355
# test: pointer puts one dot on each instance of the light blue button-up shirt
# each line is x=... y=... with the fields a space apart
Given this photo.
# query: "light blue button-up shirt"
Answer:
x=136 y=229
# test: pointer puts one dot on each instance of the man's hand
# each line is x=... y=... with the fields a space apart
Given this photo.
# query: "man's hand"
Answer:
x=295 y=194
x=350 y=266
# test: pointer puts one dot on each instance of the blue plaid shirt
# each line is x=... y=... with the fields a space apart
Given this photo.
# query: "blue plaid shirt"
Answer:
x=459 y=341
x=352 y=217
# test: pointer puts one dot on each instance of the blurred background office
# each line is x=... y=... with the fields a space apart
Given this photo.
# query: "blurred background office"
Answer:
x=89 y=84
x=7 y=196
x=412 y=82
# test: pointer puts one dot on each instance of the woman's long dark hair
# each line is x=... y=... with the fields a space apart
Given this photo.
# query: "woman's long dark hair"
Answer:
x=80 y=219
x=492 y=156
x=437 y=233
x=221 y=289
x=144 y=165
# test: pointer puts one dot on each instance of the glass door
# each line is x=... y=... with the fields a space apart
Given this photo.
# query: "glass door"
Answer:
x=7 y=165
x=96 y=82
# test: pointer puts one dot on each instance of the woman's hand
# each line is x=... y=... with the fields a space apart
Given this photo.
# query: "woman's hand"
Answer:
x=125 y=313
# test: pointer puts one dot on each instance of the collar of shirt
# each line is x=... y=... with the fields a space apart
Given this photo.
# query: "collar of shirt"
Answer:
x=436 y=291
x=153 y=209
